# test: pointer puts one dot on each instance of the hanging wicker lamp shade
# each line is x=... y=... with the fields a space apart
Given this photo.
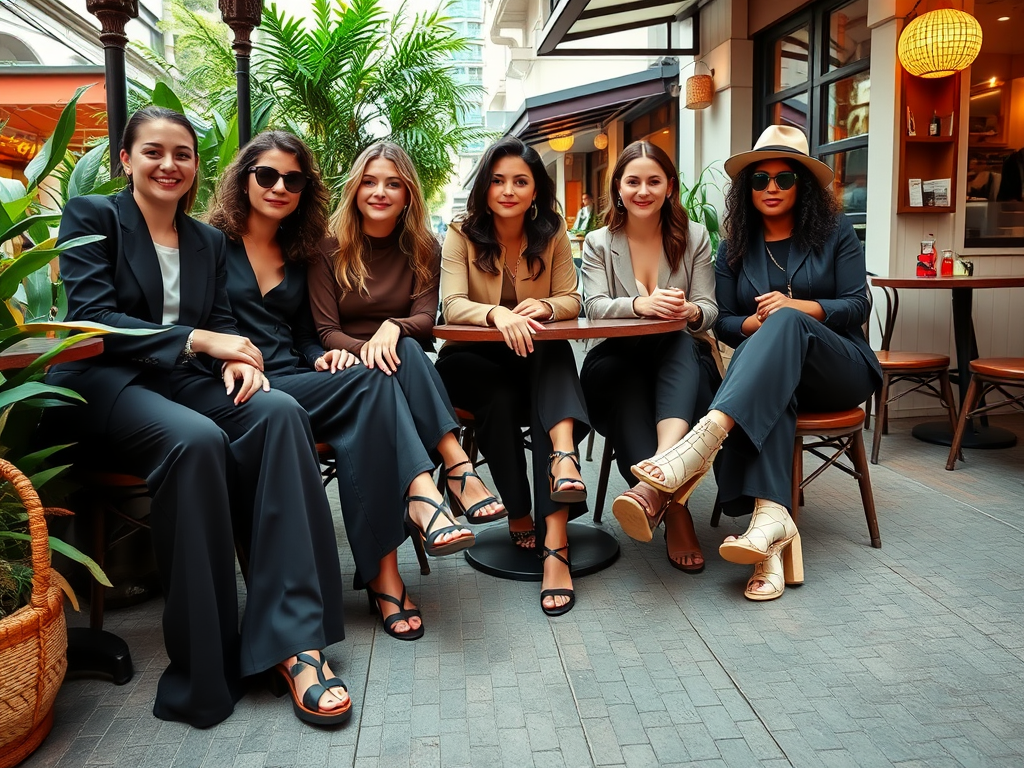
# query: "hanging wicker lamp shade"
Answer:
x=700 y=90
x=561 y=142
x=601 y=141
x=940 y=43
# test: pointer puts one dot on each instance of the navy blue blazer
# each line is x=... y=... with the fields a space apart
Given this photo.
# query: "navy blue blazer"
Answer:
x=835 y=277
x=117 y=282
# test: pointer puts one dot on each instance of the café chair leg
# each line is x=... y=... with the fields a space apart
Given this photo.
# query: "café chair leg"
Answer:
x=860 y=466
x=881 y=417
x=970 y=401
x=798 y=476
x=603 y=478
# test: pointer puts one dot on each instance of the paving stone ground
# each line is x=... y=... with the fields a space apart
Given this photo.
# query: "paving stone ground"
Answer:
x=910 y=655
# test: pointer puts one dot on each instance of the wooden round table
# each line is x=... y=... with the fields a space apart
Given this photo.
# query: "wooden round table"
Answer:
x=593 y=548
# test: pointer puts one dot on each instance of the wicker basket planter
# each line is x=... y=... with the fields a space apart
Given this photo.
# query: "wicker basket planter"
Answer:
x=33 y=643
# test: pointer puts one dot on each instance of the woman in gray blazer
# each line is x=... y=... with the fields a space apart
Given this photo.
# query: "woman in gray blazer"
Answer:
x=792 y=297
x=644 y=392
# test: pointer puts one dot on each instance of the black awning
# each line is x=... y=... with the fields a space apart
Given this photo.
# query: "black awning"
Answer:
x=593 y=105
x=574 y=21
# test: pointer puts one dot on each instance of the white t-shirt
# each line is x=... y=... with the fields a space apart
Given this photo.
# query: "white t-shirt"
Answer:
x=170 y=271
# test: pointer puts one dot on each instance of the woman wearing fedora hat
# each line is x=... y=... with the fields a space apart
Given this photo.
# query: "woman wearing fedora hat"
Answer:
x=792 y=296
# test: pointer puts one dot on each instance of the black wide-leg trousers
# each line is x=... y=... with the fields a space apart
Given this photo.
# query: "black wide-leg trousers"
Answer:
x=504 y=392
x=792 y=361
x=632 y=383
x=203 y=458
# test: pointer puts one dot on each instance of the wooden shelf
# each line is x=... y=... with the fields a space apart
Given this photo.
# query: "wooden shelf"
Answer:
x=928 y=157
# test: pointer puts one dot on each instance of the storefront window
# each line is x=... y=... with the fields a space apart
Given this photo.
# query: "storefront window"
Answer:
x=994 y=214
x=816 y=69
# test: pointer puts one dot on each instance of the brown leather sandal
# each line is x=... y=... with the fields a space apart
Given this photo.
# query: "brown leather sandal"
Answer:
x=636 y=511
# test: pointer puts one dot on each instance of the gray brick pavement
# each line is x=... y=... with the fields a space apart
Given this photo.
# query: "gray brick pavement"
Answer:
x=911 y=655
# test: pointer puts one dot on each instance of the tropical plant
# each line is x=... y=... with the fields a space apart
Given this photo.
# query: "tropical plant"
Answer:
x=700 y=205
x=354 y=73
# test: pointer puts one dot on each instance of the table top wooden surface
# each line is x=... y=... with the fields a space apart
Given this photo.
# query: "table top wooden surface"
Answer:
x=956 y=281
x=25 y=352
x=581 y=328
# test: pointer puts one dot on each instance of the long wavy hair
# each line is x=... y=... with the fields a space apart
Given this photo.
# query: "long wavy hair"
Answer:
x=478 y=224
x=131 y=135
x=301 y=231
x=815 y=215
x=415 y=239
x=675 y=224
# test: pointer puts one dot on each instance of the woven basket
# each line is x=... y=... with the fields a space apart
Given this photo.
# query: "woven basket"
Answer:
x=33 y=643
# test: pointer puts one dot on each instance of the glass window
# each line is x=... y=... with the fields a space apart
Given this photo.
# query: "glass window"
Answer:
x=849 y=37
x=851 y=184
x=848 y=103
x=792 y=111
x=791 y=59
x=474 y=29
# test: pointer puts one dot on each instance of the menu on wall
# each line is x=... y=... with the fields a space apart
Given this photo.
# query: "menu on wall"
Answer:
x=930 y=193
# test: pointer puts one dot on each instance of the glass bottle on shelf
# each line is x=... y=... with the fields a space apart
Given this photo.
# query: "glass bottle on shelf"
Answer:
x=934 y=127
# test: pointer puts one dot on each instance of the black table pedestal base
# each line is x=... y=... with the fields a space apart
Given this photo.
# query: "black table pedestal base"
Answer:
x=938 y=433
x=591 y=549
x=95 y=652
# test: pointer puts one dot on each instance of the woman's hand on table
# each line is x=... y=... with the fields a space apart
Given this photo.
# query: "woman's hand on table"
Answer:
x=516 y=329
x=666 y=304
x=251 y=378
x=227 y=346
x=534 y=308
x=381 y=350
x=335 y=359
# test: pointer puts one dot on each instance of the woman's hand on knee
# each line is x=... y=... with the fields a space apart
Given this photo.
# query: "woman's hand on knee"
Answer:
x=251 y=378
x=227 y=346
x=335 y=359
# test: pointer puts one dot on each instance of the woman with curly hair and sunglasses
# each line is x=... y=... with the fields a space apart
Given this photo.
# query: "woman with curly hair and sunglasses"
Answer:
x=272 y=205
x=792 y=297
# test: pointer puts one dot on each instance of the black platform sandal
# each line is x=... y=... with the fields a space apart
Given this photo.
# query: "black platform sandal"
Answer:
x=403 y=614
x=429 y=545
x=561 y=592
x=456 y=503
x=308 y=710
x=569 y=495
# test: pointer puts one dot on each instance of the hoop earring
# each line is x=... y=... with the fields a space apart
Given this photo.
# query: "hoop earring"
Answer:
x=533 y=211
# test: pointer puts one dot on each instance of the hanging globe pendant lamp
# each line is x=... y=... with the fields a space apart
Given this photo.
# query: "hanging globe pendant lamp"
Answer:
x=940 y=43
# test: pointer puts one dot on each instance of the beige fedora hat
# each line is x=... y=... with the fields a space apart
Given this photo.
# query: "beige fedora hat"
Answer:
x=780 y=142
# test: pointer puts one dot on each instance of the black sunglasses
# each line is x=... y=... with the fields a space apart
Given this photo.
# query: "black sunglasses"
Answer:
x=266 y=177
x=785 y=180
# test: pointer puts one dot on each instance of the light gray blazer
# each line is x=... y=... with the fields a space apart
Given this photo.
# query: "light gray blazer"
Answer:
x=609 y=285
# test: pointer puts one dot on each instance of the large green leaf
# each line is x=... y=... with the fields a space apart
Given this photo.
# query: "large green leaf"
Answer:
x=83 y=177
x=17 y=228
x=36 y=389
x=44 y=359
x=33 y=259
x=110 y=186
x=30 y=462
x=52 y=153
x=163 y=96
x=11 y=190
x=16 y=333
x=68 y=551
x=39 y=295
x=229 y=147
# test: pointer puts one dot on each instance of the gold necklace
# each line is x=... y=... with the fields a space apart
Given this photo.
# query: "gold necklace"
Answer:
x=513 y=272
x=789 y=285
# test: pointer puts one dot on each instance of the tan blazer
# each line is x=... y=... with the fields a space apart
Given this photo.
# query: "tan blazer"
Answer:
x=468 y=293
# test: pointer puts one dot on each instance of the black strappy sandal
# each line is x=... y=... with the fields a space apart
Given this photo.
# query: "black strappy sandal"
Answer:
x=403 y=614
x=430 y=547
x=569 y=495
x=308 y=709
x=456 y=503
x=561 y=592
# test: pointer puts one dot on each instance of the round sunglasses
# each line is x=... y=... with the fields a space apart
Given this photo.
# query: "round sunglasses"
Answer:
x=266 y=177
x=785 y=180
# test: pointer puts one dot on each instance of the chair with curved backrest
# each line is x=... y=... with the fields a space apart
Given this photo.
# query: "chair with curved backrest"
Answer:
x=927 y=372
x=988 y=374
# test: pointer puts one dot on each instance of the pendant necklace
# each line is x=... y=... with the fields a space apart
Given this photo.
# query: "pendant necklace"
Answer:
x=789 y=285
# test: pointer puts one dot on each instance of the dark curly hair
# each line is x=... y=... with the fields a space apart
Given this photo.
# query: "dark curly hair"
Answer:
x=675 y=225
x=478 y=224
x=815 y=215
x=304 y=228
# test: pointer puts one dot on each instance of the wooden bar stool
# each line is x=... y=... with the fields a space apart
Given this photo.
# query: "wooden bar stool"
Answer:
x=987 y=374
x=329 y=472
x=840 y=433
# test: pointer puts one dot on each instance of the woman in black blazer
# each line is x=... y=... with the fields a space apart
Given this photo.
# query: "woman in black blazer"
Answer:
x=188 y=408
x=792 y=297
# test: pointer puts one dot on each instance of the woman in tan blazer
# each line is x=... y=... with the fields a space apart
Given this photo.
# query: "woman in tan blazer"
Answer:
x=508 y=264
x=645 y=391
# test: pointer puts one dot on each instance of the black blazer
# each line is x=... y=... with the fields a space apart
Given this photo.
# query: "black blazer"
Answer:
x=117 y=281
x=835 y=277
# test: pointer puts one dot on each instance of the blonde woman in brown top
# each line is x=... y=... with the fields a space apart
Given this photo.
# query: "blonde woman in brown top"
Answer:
x=373 y=291
x=508 y=264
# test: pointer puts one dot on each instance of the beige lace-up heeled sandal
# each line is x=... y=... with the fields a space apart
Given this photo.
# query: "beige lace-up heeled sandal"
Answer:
x=684 y=465
x=771 y=529
x=776 y=572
